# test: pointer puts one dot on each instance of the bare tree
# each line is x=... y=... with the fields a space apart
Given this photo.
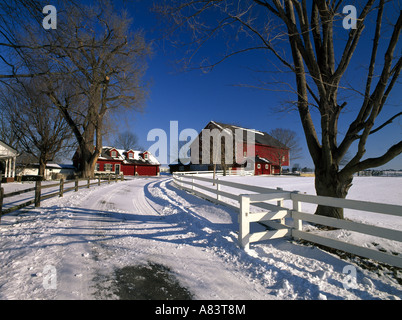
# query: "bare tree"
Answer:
x=6 y=133
x=19 y=19
x=38 y=125
x=289 y=139
x=95 y=53
x=127 y=140
x=109 y=62
x=305 y=38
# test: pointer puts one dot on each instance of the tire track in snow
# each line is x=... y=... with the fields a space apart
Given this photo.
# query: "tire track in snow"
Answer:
x=145 y=220
x=90 y=210
x=216 y=235
x=145 y=234
x=76 y=268
x=287 y=269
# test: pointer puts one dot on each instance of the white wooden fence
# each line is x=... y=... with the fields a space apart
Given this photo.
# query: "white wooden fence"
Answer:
x=274 y=215
x=229 y=172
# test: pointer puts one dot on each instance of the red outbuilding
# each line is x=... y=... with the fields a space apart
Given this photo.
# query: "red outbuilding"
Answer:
x=127 y=162
x=246 y=149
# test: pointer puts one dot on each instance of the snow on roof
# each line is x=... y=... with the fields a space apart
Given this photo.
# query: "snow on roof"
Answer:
x=260 y=136
x=235 y=127
x=152 y=159
x=258 y=158
x=6 y=150
x=122 y=156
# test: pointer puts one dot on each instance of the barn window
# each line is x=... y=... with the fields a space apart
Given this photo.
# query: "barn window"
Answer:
x=114 y=154
x=97 y=167
x=145 y=156
x=108 y=167
x=266 y=166
x=258 y=166
x=283 y=158
x=131 y=155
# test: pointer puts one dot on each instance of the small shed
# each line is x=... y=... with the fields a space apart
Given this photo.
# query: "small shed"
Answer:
x=128 y=162
x=53 y=171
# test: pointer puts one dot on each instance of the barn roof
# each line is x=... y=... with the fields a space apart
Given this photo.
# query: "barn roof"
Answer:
x=261 y=137
x=258 y=159
x=122 y=156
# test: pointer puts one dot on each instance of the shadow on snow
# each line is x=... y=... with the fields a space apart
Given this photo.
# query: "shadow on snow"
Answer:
x=185 y=225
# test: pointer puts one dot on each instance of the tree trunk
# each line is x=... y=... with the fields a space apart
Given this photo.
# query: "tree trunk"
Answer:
x=42 y=165
x=88 y=162
x=89 y=153
x=328 y=183
x=87 y=169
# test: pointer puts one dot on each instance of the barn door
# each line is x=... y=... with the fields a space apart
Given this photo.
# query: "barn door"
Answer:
x=117 y=169
x=258 y=169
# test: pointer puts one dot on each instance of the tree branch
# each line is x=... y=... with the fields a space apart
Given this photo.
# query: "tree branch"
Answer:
x=370 y=110
x=392 y=152
x=389 y=121
x=351 y=44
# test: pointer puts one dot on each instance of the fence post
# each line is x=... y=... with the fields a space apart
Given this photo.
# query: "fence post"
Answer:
x=1 y=195
x=218 y=187
x=1 y=199
x=297 y=223
x=244 y=224
x=38 y=190
x=108 y=179
x=280 y=204
x=99 y=181
x=122 y=177
x=61 y=188
x=76 y=184
x=88 y=182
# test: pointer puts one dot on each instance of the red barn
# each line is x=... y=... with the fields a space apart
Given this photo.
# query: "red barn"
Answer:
x=127 y=162
x=262 y=153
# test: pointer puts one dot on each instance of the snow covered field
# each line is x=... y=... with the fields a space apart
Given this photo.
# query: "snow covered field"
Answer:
x=71 y=246
x=373 y=189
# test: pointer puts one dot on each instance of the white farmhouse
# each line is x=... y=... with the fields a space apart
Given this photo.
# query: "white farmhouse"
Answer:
x=8 y=156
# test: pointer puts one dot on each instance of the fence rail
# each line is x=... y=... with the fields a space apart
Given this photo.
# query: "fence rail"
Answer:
x=38 y=196
x=273 y=215
x=229 y=172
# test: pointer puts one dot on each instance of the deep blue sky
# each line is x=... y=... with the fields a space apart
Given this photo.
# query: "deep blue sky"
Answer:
x=194 y=98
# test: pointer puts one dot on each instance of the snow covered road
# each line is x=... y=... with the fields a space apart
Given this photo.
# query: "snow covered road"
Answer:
x=71 y=247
